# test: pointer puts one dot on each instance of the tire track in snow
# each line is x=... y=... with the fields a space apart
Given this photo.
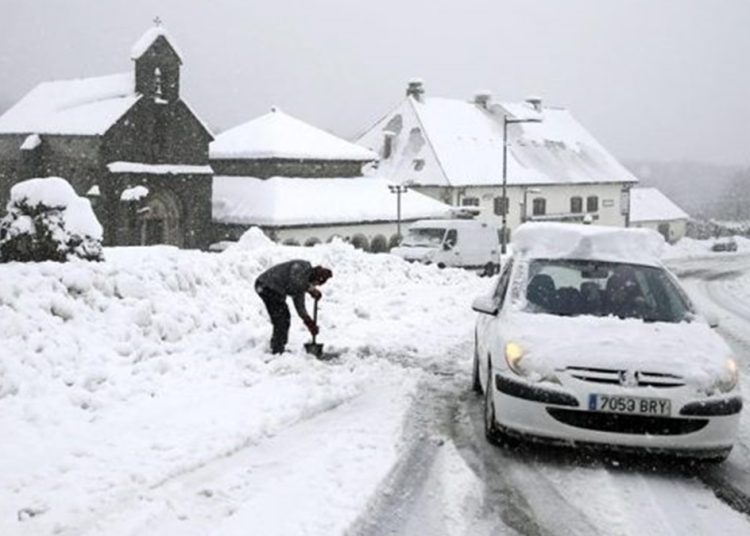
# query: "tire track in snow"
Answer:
x=729 y=481
x=405 y=500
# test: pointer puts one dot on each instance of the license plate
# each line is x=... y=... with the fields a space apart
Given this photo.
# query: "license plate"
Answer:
x=630 y=405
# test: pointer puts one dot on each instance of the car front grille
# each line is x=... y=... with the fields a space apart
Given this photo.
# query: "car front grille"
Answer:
x=637 y=378
x=626 y=424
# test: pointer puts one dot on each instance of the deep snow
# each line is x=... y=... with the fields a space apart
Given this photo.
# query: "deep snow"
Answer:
x=139 y=398
x=119 y=378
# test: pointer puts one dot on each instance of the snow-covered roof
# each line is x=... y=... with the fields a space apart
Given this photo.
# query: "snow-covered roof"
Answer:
x=148 y=38
x=282 y=201
x=279 y=135
x=450 y=142
x=649 y=204
x=87 y=106
x=549 y=240
x=158 y=169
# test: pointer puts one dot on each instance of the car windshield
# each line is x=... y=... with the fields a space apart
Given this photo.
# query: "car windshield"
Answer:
x=424 y=237
x=572 y=288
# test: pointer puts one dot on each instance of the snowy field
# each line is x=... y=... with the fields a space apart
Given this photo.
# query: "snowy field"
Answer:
x=139 y=398
x=118 y=378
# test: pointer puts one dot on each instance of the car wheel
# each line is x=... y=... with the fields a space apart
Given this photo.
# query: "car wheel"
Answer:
x=489 y=270
x=476 y=383
x=490 y=425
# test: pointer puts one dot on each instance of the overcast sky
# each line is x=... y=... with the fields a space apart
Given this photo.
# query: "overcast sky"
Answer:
x=651 y=79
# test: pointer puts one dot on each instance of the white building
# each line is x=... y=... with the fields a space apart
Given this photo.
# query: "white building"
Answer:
x=305 y=211
x=452 y=150
x=651 y=209
x=303 y=185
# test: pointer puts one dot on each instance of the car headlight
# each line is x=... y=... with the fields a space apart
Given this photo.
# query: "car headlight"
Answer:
x=514 y=356
x=730 y=376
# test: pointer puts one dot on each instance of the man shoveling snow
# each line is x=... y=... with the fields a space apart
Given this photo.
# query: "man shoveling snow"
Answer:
x=291 y=278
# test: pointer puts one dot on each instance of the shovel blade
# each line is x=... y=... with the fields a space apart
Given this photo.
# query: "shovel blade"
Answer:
x=314 y=348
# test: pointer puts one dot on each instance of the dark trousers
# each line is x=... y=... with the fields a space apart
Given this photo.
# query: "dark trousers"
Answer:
x=279 y=313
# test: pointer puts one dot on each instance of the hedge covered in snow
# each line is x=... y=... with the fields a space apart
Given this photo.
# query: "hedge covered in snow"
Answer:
x=47 y=221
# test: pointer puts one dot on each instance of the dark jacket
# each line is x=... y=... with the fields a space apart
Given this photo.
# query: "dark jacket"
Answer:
x=291 y=278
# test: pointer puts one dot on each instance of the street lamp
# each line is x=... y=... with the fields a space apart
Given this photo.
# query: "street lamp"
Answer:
x=398 y=189
x=526 y=192
x=509 y=121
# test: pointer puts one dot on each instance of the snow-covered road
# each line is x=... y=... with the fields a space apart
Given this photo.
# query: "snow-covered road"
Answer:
x=139 y=399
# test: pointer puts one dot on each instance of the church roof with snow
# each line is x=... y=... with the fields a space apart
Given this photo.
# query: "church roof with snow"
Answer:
x=282 y=201
x=87 y=106
x=450 y=142
x=149 y=38
x=84 y=106
x=650 y=204
x=279 y=135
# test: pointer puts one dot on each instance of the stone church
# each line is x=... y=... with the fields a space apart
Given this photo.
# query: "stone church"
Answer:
x=128 y=141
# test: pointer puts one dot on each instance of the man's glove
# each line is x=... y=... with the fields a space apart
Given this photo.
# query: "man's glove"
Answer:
x=311 y=326
x=314 y=292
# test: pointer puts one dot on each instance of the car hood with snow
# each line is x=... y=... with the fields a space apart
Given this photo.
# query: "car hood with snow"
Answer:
x=551 y=343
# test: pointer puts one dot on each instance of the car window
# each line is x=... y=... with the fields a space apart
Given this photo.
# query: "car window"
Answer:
x=572 y=288
x=451 y=238
x=424 y=237
x=502 y=285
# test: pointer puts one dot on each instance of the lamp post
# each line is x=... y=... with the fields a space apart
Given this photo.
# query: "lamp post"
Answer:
x=509 y=121
x=526 y=192
x=398 y=189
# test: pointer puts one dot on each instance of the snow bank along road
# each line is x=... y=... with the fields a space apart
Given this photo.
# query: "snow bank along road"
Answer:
x=137 y=397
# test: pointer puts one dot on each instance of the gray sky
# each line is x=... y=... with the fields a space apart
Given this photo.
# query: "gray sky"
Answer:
x=653 y=79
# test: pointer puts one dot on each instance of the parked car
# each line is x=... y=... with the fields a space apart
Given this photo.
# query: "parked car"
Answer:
x=586 y=339
x=461 y=243
x=724 y=245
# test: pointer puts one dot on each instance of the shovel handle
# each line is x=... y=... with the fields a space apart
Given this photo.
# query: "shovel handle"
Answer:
x=315 y=319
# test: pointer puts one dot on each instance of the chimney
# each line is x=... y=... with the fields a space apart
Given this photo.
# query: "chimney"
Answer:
x=482 y=99
x=415 y=88
x=536 y=103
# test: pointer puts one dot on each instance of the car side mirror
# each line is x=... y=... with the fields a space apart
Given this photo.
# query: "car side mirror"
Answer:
x=448 y=245
x=486 y=305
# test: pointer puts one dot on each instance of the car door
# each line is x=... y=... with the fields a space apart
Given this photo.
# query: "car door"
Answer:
x=488 y=325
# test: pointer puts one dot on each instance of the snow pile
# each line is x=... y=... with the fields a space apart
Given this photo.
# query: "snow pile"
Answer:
x=46 y=220
x=142 y=399
x=565 y=240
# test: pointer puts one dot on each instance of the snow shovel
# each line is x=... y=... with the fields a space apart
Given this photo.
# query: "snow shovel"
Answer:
x=314 y=348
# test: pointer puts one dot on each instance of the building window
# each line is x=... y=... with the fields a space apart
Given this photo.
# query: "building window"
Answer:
x=576 y=205
x=418 y=164
x=500 y=207
x=592 y=203
x=539 y=206
x=470 y=202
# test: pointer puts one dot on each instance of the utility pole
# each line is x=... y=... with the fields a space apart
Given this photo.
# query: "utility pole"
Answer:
x=398 y=189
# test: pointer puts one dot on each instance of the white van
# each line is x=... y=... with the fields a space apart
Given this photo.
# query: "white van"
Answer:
x=460 y=243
